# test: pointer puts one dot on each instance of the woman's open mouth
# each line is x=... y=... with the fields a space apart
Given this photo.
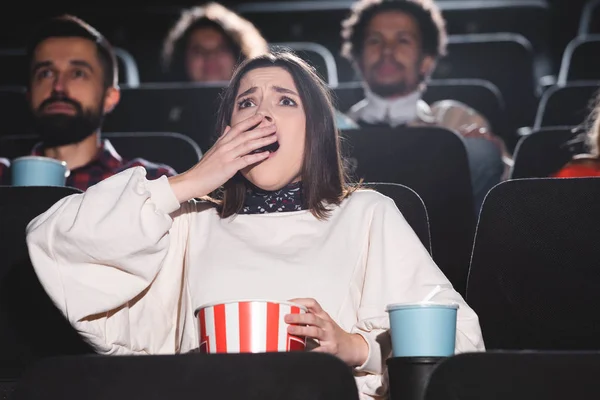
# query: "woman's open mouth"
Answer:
x=271 y=148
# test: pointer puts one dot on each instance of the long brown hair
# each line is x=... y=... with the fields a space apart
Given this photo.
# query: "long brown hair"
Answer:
x=322 y=174
x=593 y=127
x=585 y=145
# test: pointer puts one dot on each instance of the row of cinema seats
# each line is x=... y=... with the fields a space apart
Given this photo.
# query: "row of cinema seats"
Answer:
x=503 y=42
x=578 y=60
x=499 y=41
x=493 y=375
x=409 y=159
x=532 y=275
x=142 y=29
x=505 y=60
x=293 y=20
x=537 y=155
x=531 y=375
x=16 y=71
x=173 y=149
x=431 y=161
x=190 y=109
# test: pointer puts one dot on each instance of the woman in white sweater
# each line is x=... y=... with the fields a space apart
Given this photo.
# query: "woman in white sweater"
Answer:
x=128 y=261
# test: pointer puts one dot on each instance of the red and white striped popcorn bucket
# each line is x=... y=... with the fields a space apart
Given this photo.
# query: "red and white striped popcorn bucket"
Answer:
x=247 y=326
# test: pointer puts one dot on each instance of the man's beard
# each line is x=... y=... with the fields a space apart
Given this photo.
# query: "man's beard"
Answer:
x=393 y=89
x=389 y=90
x=62 y=129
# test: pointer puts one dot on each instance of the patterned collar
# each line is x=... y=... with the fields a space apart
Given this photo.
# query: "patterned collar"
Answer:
x=288 y=198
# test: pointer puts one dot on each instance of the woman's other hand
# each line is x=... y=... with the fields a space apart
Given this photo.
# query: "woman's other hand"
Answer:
x=317 y=324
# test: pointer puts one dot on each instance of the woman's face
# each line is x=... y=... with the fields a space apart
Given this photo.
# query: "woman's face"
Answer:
x=272 y=92
x=208 y=56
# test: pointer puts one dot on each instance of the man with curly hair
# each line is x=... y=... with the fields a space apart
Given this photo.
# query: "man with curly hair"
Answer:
x=395 y=45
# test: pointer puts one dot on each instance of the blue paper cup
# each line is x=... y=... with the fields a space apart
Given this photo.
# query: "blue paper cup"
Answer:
x=422 y=329
x=38 y=171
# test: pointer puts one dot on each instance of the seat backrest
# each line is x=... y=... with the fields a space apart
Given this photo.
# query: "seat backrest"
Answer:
x=505 y=59
x=580 y=61
x=316 y=55
x=410 y=205
x=483 y=96
x=15 y=61
x=568 y=104
x=347 y=94
x=140 y=30
x=7 y=388
x=173 y=149
x=295 y=20
x=127 y=67
x=544 y=152
x=432 y=162
x=293 y=376
x=15 y=115
x=534 y=274
x=13 y=146
x=530 y=18
x=516 y=376
x=189 y=109
x=31 y=327
x=589 y=21
x=478 y=94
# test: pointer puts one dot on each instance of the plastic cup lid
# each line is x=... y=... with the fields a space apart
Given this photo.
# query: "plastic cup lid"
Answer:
x=40 y=158
x=428 y=304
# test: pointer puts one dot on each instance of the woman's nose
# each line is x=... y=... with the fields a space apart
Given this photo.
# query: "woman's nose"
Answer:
x=267 y=120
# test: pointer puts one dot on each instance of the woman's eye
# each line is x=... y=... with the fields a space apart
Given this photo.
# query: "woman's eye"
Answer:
x=286 y=101
x=245 y=103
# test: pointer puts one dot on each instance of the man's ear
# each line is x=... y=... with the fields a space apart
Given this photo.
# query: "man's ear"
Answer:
x=427 y=66
x=111 y=98
x=356 y=62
